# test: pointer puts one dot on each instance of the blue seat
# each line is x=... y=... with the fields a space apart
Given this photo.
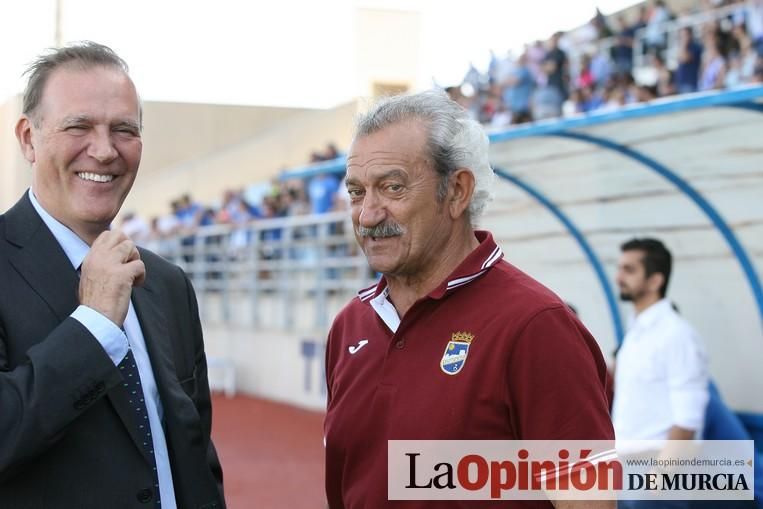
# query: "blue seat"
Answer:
x=723 y=424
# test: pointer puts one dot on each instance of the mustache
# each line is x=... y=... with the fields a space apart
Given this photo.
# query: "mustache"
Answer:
x=381 y=230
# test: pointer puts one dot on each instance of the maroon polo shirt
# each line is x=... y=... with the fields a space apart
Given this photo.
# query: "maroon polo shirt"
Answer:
x=532 y=371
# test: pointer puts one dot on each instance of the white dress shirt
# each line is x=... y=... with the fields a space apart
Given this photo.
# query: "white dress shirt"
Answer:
x=661 y=377
x=116 y=343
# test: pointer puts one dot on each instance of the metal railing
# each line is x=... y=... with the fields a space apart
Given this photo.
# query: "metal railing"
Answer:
x=668 y=30
x=272 y=273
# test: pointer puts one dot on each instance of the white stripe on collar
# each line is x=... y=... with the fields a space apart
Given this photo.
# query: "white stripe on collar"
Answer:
x=464 y=280
x=364 y=295
x=494 y=256
x=489 y=262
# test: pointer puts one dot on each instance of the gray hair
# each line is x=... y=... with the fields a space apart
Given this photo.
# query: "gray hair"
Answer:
x=455 y=140
x=81 y=55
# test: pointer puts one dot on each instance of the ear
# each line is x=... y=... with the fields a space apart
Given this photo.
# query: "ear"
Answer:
x=461 y=189
x=655 y=281
x=24 y=135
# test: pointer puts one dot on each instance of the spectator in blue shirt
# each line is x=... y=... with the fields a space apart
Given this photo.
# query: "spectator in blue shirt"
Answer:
x=622 y=51
x=689 y=61
x=519 y=89
x=321 y=192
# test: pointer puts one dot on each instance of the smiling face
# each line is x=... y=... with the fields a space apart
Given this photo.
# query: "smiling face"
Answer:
x=84 y=144
x=393 y=192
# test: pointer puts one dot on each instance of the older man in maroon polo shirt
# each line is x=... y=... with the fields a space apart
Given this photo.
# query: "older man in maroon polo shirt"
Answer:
x=453 y=343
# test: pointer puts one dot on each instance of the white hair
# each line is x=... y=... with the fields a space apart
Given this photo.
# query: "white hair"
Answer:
x=455 y=140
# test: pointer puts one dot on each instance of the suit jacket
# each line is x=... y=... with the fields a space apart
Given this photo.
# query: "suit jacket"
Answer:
x=67 y=434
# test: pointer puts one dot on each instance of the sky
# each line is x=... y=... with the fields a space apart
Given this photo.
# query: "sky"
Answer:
x=283 y=52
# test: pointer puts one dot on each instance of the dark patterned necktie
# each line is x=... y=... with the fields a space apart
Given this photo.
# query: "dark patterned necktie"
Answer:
x=131 y=376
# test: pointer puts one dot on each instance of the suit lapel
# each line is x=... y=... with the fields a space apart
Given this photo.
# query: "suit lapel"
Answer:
x=178 y=406
x=149 y=304
x=40 y=260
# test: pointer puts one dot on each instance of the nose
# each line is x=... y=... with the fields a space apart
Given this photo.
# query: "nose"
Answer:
x=101 y=147
x=372 y=211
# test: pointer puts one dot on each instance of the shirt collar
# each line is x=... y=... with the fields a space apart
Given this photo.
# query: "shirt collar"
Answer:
x=75 y=248
x=650 y=315
x=479 y=261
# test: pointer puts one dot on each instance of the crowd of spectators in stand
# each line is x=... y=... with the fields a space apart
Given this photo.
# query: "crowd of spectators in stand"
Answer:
x=279 y=198
x=543 y=82
x=592 y=69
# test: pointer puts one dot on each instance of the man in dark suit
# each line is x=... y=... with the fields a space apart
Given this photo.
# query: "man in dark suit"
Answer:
x=104 y=399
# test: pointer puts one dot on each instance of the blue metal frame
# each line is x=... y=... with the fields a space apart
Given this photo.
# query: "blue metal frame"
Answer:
x=736 y=247
x=337 y=166
x=598 y=267
x=744 y=95
x=752 y=106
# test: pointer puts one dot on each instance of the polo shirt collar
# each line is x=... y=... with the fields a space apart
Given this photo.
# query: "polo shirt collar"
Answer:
x=477 y=263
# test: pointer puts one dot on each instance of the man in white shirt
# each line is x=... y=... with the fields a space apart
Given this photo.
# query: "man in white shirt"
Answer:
x=661 y=377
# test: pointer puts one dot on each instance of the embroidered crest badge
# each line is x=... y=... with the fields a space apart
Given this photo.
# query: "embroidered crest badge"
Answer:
x=454 y=358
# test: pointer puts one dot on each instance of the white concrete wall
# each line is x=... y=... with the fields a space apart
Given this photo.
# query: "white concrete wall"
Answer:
x=274 y=364
x=15 y=173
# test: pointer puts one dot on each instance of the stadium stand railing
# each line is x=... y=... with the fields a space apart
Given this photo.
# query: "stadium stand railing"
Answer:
x=284 y=259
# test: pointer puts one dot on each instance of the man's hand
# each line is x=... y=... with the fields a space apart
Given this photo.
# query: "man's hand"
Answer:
x=108 y=274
